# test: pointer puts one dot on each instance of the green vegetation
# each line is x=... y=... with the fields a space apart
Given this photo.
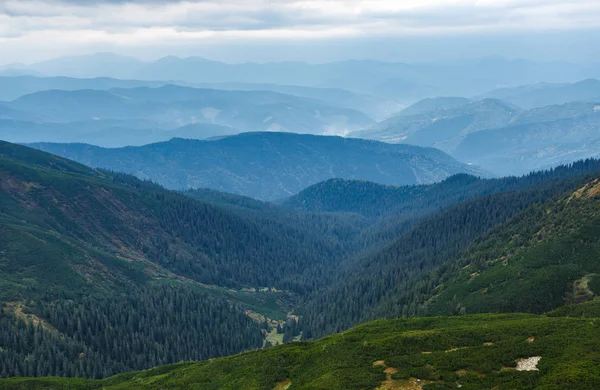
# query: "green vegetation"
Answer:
x=402 y=278
x=391 y=211
x=107 y=217
x=75 y=241
x=474 y=352
x=102 y=273
x=373 y=200
x=590 y=309
x=99 y=336
x=545 y=257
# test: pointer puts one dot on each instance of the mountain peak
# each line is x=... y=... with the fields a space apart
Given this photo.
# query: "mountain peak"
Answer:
x=590 y=81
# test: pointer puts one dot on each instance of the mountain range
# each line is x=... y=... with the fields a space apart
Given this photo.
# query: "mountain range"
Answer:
x=399 y=81
x=12 y=88
x=409 y=276
x=114 y=117
x=495 y=135
x=106 y=133
x=435 y=122
x=526 y=144
x=268 y=166
x=173 y=106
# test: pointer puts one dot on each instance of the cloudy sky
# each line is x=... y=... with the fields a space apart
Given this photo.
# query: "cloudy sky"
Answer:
x=313 y=30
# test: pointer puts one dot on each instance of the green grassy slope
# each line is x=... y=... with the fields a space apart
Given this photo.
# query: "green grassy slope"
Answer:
x=473 y=352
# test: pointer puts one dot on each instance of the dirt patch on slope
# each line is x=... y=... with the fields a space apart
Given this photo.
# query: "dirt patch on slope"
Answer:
x=401 y=384
x=284 y=385
x=528 y=364
x=589 y=190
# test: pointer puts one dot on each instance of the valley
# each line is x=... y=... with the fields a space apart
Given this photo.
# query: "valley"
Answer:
x=73 y=246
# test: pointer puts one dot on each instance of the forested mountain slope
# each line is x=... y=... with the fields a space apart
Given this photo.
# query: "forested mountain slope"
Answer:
x=538 y=261
x=514 y=352
x=376 y=200
x=76 y=240
x=390 y=211
x=127 y=217
x=390 y=282
x=268 y=166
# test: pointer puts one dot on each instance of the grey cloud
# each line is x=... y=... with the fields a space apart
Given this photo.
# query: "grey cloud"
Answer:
x=66 y=23
x=239 y=15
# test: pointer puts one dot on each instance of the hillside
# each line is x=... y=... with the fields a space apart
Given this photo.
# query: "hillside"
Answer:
x=497 y=136
x=76 y=240
x=396 y=279
x=443 y=125
x=528 y=251
x=268 y=166
x=375 y=200
x=548 y=94
x=236 y=274
x=104 y=212
x=541 y=137
x=470 y=352
x=540 y=260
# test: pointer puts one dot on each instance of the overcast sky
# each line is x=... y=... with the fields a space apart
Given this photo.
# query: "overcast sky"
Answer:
x=311 y=30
